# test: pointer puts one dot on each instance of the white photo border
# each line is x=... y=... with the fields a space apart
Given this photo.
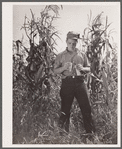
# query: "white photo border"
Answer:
x=7 y=37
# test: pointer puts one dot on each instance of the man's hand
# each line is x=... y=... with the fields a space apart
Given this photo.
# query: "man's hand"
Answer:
x=80 y=67
x=67 y=66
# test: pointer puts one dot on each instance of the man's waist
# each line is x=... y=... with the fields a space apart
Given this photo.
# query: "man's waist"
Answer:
x=73 y=77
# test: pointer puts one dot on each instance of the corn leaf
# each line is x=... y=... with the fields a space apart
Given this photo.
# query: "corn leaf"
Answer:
x=105 y=85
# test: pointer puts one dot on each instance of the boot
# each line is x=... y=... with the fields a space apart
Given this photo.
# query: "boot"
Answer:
x=89 y=125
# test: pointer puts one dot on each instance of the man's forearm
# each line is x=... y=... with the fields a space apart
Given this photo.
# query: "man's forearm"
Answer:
x=58 y=70
x=86 y=69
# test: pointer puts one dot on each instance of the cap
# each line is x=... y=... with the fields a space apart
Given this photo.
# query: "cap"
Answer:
x=73 y=35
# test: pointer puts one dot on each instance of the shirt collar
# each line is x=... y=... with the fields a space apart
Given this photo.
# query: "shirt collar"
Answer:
x=76 y=50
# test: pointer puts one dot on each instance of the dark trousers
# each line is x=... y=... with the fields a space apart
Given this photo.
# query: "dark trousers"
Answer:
x=70 y=88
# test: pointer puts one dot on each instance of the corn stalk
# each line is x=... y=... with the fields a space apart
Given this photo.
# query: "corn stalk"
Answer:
x=38 y=65
x=98 y=50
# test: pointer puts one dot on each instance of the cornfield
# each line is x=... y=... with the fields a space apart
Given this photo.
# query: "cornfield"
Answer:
x=36 y=100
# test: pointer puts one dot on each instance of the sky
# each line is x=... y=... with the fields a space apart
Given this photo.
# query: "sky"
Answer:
x=73 y=17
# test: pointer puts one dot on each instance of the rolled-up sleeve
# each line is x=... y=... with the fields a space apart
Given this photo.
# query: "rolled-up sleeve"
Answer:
x=86 y=61
x=57 y=63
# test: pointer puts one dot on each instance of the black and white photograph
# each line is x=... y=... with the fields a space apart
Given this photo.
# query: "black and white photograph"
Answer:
x=61 y=74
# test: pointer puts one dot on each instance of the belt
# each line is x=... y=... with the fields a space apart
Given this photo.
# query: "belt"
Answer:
x=74 y=77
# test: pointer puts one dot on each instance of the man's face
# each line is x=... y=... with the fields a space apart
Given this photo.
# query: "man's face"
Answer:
x=71 y=44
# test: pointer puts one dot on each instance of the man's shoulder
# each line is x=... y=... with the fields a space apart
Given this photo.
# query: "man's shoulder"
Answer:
x=81 y=52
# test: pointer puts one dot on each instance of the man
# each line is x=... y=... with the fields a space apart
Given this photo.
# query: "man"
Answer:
x=72 y=64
